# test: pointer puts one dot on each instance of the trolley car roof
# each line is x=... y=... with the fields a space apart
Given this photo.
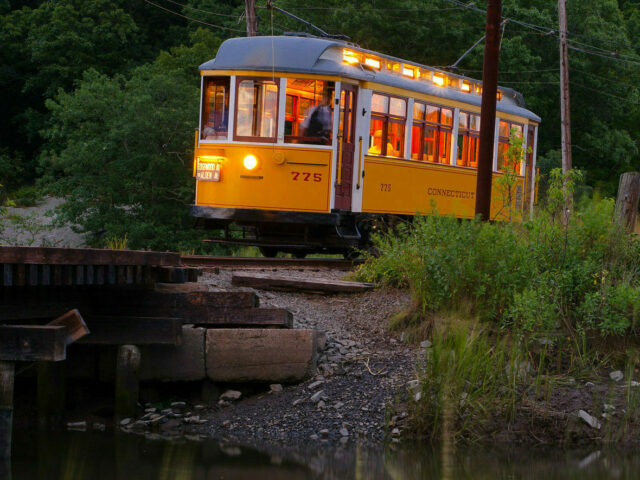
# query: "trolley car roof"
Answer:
x=307 y=54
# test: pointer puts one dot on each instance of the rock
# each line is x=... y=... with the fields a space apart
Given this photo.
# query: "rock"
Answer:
x=589 y=420
x=395 y=432
x=297 y=401
x=166 y=411
x=321 y=404
x=314 y=385
x=178 y=404
x=150 y=410
x=417 y=396
x=124 y=422
x=226 y=423
x=616 y=376
x=338 y=405
x=77 y=425
x=316 y=397
x=608 y=407
x=231 y=395
x=425 y=344
x=413 y=384
x=635 y=384
x=199 y=407
x=275 y=388
x=344 y=432
x=590 y=384
x=324 y=433
x=99 y=427
x=314 y=437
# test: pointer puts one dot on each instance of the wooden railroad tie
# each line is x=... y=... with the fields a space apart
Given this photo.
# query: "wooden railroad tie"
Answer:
x=280 y=282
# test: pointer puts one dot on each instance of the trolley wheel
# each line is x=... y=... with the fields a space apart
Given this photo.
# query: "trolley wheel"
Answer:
x=269 y=252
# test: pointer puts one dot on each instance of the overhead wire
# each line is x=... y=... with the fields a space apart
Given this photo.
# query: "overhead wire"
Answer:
x=192 y=19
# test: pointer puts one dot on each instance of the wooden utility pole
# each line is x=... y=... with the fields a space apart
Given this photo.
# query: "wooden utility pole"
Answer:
x=628 y=198
x=488 y=111
x=252 y=20
x=565 y=110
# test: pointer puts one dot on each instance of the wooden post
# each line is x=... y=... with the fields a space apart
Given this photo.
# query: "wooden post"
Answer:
x=627 y=200
x=252 y=20
x=488 y=110
x=565 y=110
x=127 y=384
x=51 y=394
x=7 y=370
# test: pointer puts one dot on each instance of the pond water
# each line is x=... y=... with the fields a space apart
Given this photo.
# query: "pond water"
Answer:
x=97 y=456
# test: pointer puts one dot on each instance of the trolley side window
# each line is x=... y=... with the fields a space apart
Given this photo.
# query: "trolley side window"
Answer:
x=386 y=133
x=215 y=108
x=468 y=139
x=431 y=133
x=309 y=111
x=506 y=131
x=257 y=110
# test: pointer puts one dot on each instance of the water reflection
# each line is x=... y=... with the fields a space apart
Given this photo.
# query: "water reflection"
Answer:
x=79 y=456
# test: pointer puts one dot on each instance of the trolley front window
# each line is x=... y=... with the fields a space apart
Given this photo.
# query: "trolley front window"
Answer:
x=215 y=108
x=257 y=110
x=308 y=114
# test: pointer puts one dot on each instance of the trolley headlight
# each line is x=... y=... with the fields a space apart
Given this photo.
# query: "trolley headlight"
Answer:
x=250 y=162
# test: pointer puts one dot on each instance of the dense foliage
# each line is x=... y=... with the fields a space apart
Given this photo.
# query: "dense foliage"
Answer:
x=61 y=59
x=543 y=277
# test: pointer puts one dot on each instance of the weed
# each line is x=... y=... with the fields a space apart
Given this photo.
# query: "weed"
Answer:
x=117 y=243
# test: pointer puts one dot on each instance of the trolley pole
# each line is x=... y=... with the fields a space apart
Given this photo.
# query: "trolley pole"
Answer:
x=564 y=89
x=488 y=109
x=252 y=20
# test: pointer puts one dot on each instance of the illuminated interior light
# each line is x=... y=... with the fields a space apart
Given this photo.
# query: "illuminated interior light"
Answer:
x=250 y=162
x=372 y=62
x=466 y=86
x=408 y=72
x=479 y=89
x=350 y=57
x=211 y=159
x=499 y=95
x=438 y=80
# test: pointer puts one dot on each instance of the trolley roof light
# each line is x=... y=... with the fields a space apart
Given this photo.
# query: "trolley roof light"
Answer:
x=408 y=72
x=438 y=79
x=373 y=62
x=465 y=86
x=350 y=57
x=250 y=162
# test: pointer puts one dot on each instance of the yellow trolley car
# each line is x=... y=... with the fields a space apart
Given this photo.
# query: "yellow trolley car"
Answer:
x=306 y=142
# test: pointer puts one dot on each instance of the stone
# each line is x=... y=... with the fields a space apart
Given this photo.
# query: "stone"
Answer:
x=395 y=432
x=321 y=404
x=124 y=422
x=413 y=384
x=616 y=376
x=417 y=396
x=608 y=407
x=324 y=433
x=316 y=397
x=338 y=405
x=635 y=384
x=169 y=363
x=314 y=385
x=590 y=384
x=275 y=388
x=231 y=395
x=425 y=344
x=344 y=432
x=589 y=420
x=178 y=404
x=150 y=410
x=297 y=401
x=260 y=355
x=314 y=437
x=77 y=425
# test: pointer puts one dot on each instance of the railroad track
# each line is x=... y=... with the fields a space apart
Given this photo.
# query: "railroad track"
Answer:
x=259 y=262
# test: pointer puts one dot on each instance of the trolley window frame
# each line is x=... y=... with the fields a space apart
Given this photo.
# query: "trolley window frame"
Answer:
x=386 y=119
x=236 y=94
x=438 y=127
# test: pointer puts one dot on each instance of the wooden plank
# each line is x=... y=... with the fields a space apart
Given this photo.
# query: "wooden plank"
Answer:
x=32 y=343
x=85 y=256
x=123 y=330
x=74 y=325
x=190 y=306
x=248 y=317
x=281 y=282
